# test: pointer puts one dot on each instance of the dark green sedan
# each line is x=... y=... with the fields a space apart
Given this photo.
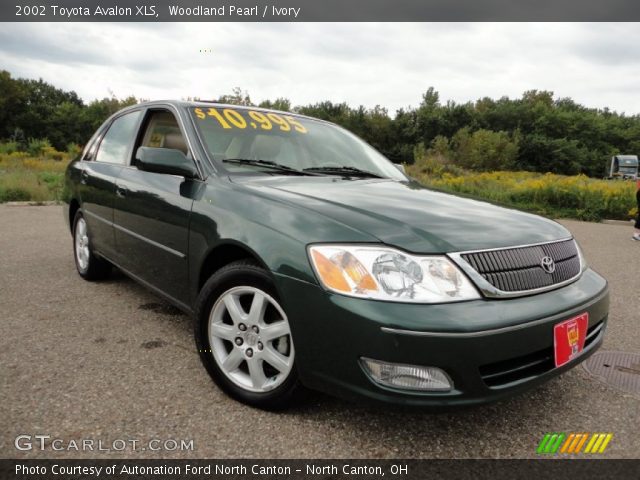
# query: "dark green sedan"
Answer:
x=310 y=260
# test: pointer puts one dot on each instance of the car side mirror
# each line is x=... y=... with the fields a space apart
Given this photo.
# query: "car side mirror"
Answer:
x=400 y=167
x=165 y=160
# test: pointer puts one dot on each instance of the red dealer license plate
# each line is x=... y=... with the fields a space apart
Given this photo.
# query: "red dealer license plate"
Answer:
x=569 y=337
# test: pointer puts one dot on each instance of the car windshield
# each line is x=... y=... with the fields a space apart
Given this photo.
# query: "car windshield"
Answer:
x=239 y=137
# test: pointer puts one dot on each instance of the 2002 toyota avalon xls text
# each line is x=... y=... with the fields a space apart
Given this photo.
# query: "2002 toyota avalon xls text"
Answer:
x=310 y=260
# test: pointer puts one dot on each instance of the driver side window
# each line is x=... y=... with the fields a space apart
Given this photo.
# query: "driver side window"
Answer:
x=116 y=142
x=162 y=131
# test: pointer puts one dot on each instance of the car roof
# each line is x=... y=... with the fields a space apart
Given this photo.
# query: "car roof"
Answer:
x=205 y=103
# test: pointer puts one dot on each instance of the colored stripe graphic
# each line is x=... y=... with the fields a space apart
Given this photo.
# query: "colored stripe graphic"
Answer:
x=594 y=437
x=557 y=443
x=583 y=439
x=599 y=441
x=573 y=442
x=550 y=443
x=606 y=442
x=543 y=443
x=552 y=439
x=570 y=440
x=549 y=446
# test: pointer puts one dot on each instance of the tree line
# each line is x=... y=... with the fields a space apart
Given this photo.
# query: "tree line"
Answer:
x=535 y=132
x=32 y=111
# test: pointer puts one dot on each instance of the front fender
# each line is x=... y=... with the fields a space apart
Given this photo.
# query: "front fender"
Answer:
x=277 y=233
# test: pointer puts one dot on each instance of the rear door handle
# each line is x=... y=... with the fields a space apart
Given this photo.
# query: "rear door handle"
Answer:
x=121 y=192
x=83 y=177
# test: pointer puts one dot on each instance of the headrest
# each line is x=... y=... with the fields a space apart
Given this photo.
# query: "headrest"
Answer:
x=175 y=141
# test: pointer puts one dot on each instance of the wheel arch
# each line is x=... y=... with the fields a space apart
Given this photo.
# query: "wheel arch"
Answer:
x=74 y=206
x=223 y=254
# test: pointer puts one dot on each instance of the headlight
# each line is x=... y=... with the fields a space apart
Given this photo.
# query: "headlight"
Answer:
x=583 y=260
x=383 y=273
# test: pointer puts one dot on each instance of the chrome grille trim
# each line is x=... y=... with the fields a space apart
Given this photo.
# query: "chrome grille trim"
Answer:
x=515 y=268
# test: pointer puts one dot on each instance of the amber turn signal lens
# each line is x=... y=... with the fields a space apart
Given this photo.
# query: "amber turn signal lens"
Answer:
x=356 y=271
x=330 y=273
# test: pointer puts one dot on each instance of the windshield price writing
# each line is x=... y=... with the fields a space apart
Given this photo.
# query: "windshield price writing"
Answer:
x=230 y=118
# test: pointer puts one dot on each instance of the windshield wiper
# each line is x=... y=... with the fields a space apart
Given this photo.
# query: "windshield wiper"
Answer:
x=345 y=171
x=266 y=163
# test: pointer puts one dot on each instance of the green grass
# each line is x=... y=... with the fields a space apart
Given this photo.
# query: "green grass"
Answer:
x=556 y=196
x=24 y=178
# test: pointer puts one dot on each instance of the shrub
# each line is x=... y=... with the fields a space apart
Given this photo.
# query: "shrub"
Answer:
x=73 y=150
x=435 y=160
x=36 y=146
x=53 y=154
x=18 y=155
x=28 y=178
x=8 y=147
x=54 y=182
x=549 y=194
x=484 y=150
x=14 y=195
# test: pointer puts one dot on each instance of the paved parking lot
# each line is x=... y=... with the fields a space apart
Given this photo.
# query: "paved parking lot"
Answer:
x=111 y=361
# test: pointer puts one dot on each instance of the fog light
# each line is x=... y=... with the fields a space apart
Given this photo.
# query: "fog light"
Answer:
x=409 y=377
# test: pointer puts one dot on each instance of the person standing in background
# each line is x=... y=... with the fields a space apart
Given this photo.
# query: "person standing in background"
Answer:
x=636 y=233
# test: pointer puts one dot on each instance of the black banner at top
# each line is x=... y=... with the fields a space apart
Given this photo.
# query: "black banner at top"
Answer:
x=318 y=10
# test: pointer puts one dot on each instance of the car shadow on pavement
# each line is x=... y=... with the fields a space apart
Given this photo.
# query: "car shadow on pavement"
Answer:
x=431 y=433
x=148 y=300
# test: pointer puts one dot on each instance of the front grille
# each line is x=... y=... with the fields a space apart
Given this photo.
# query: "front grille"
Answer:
x=520 y=269
x=516 y=370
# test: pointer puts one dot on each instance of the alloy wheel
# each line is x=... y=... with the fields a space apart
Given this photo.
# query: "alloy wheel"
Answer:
x=82 y=244
x=250 y=339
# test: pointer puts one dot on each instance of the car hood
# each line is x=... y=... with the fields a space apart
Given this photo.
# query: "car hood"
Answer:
x=408 y=215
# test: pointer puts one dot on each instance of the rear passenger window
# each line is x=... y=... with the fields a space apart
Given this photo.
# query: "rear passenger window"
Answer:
x=163 y=132
x=115 y=143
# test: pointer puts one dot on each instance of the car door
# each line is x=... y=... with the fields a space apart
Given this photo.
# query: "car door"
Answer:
x=102 y=163
x=152 y=213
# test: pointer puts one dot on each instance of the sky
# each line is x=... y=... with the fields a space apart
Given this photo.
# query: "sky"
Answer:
x=387 y=64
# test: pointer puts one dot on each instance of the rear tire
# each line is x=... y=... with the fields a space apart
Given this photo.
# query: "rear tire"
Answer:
x=244 y=338
x=89 y=266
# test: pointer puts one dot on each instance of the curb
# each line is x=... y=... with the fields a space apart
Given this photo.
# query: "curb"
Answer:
x=617 y=222
x=31 y=204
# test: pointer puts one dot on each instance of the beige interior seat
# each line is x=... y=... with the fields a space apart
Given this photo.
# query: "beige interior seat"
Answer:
x=176 y=141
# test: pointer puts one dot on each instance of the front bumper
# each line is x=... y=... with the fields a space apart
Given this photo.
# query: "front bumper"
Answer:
x=490 y=348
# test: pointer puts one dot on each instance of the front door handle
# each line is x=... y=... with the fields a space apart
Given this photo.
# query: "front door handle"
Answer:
x=121 y=192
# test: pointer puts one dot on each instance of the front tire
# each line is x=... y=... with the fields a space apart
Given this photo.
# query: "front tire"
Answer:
x=244 y=338
x=89 y=266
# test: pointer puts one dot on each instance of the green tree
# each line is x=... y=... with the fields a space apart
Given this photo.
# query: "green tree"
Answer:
x=484 y=150
x=534 y=132
x=281 y=103
x=237 y=97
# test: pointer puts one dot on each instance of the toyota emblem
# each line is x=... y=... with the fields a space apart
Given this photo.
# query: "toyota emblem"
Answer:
x=548 y=265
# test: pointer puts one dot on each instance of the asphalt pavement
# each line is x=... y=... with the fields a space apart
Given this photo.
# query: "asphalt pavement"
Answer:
x=111 y=362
